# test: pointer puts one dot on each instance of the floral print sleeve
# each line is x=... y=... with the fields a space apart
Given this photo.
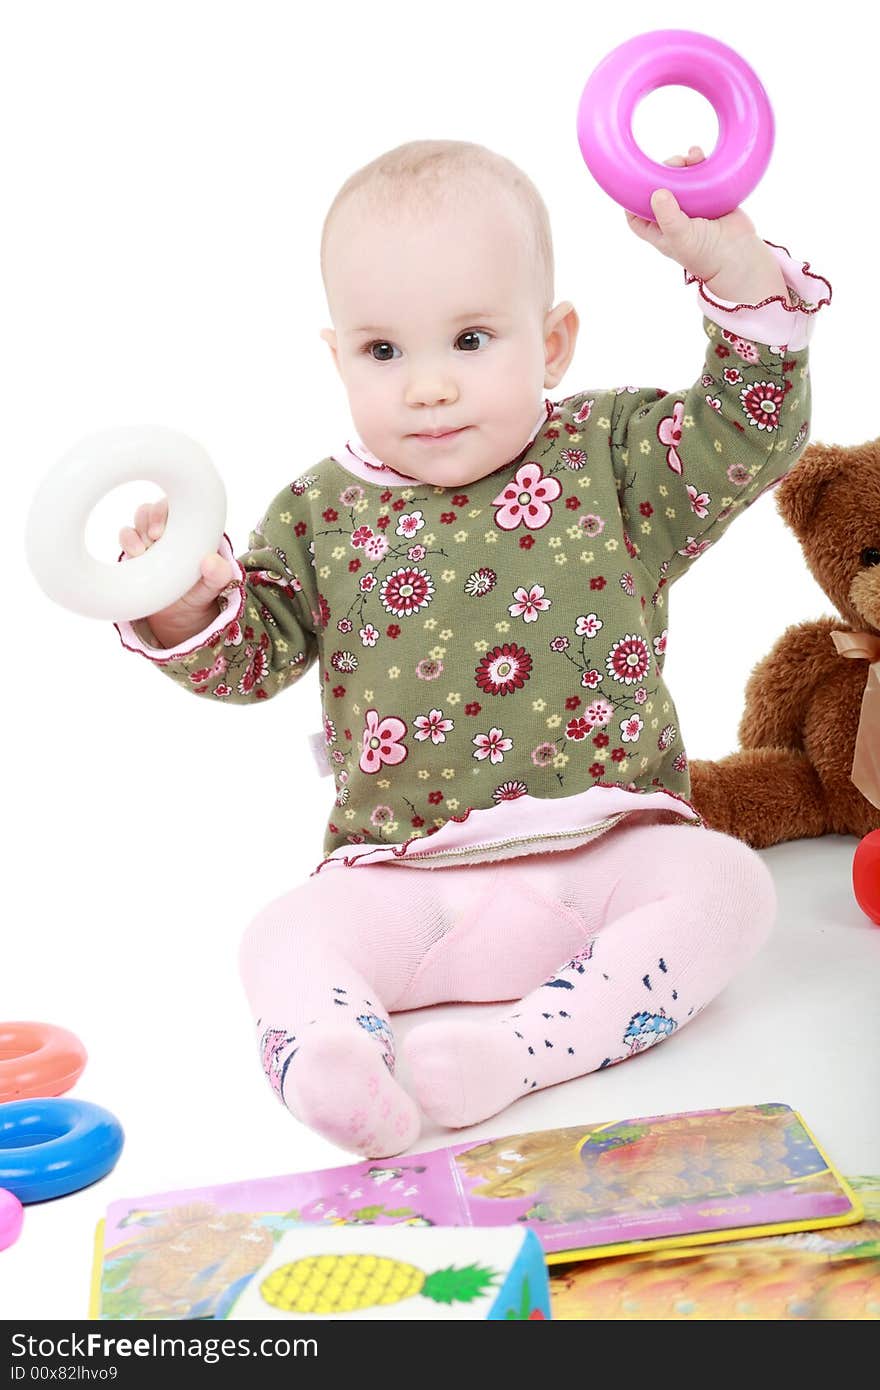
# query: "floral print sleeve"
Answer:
x=264 y=637
x=688 y=462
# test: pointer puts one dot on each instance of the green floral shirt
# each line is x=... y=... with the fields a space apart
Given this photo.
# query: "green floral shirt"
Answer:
x=507 y=638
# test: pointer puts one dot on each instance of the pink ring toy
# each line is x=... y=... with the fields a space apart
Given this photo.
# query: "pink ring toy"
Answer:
x=38 y=1059
x=11 y=1216
x=675 y=57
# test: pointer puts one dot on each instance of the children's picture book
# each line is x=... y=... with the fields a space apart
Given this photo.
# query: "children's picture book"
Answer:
x=809 y=1276
x=587 y=1191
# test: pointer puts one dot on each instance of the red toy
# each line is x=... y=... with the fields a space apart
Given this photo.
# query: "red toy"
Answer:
x=866 y=875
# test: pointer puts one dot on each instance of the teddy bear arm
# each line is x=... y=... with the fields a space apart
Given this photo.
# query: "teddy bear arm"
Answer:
x=762 y=796
x=779 y=690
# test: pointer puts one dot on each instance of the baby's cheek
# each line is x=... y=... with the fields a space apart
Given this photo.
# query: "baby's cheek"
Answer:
x=372 y=417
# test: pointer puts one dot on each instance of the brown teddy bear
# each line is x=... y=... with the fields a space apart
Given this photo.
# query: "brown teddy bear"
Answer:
x=808 y=704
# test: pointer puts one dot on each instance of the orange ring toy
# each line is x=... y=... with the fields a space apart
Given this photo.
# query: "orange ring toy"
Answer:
x=38 y=1059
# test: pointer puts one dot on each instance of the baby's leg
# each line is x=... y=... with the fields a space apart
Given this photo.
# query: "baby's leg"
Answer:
x=319 y=966
x=669 y=914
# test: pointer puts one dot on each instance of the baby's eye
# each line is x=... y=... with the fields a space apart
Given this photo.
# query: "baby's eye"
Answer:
x=383 y=352
x=468 y=342
x=871 y=556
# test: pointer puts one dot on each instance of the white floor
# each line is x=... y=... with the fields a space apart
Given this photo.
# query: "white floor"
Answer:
x=801 y=1025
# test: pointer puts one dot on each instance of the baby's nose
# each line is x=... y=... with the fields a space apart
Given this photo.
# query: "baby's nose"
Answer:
x=427 y=387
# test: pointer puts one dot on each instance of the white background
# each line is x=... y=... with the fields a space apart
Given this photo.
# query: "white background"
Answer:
x=165 y=171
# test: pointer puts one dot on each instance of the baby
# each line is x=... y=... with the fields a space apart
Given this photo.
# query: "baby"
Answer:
x=481 y=577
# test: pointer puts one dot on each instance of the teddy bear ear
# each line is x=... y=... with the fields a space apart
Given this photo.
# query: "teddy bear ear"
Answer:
x=798 y=495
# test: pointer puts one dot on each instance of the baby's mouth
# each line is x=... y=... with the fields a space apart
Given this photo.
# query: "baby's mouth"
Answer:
x=434 y=436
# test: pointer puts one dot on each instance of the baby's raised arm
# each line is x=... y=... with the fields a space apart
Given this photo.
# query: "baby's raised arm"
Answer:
x=688 y=462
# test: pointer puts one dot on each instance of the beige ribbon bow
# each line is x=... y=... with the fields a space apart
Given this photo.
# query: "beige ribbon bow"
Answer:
x=865 y=646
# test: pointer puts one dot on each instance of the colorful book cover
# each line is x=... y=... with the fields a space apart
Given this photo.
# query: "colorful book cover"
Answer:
x=586 y=1191
x=808 y=1276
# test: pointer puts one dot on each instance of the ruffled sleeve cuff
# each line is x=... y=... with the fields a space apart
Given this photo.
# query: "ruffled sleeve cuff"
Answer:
x=138 y=637
x=776 y=320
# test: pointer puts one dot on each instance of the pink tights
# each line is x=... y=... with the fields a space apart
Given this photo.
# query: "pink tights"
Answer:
x=607 y=949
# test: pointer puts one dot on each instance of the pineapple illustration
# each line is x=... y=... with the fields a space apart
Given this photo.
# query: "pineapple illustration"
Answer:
x=345 y=1283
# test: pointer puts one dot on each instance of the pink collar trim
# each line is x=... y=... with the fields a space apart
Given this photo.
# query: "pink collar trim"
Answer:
x=356 y=458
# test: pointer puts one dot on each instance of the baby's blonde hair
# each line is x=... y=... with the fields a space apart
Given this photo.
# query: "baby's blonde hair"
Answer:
x=420 y=172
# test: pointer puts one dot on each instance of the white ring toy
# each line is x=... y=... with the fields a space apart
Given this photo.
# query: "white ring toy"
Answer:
x=55 y=536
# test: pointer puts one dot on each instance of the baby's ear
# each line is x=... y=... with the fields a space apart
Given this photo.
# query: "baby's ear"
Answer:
x=801 y=490
x=329 y=336
x=560 y=336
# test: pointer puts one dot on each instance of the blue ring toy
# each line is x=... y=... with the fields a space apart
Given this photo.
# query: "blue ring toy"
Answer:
x=51 y=1146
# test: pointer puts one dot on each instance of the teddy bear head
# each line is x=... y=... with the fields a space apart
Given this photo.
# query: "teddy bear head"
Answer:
x=831 y=500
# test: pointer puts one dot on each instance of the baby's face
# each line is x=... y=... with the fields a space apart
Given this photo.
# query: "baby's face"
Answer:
x=440 y=335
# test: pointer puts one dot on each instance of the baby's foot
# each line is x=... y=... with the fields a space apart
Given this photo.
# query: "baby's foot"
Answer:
x=338 y=1084
x=463 y=1072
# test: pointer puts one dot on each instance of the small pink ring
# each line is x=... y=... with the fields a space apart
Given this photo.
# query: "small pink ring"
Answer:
x=11 y=1216
x=676 y=57
x=38 y=1059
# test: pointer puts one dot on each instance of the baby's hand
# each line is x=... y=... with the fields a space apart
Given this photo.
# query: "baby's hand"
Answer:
x=199 y=605
x=726 y=253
